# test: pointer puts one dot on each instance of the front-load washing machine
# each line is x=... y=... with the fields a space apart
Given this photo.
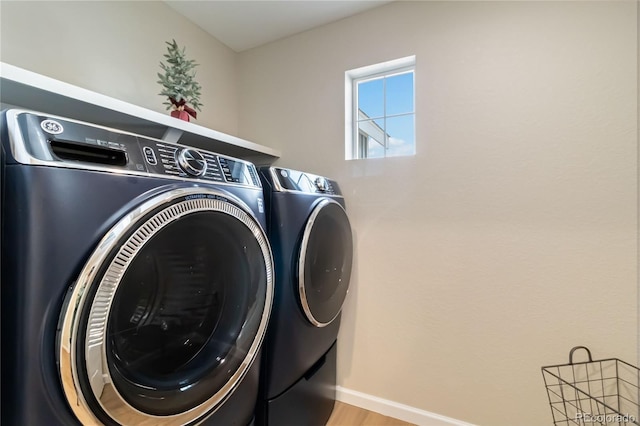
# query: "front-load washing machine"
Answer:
x=137 y=280
x=311 y=239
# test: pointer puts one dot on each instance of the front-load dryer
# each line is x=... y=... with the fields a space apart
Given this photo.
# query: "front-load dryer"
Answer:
x=311 y=239
x=136 y=279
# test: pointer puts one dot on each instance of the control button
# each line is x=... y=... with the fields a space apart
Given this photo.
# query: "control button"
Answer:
x=192 y=162
x=150 y=155
x=102 y=143
x=114 y=145
x=321 y=184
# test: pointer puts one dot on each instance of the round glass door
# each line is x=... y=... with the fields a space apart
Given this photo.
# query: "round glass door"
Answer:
x=169 y=313
x=324 y=265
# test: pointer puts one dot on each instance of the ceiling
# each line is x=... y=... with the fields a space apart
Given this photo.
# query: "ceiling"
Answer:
x=245 y=24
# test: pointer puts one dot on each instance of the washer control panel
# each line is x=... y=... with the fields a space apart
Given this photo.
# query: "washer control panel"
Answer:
x=65 y=142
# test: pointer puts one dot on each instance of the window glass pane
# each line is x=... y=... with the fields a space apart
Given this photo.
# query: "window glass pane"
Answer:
x=374 y=149
x=401 y=132
x=361 y=149
x=371 y=98
x=400 y=93
x=373 y=131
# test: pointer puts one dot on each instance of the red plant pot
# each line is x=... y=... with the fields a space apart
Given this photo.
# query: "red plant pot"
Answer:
x=182 y=115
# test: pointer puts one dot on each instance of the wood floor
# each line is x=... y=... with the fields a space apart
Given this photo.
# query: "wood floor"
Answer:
x=348 y=415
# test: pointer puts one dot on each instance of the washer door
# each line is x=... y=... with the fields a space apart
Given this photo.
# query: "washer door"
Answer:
x=169 y=312
x=324 y=265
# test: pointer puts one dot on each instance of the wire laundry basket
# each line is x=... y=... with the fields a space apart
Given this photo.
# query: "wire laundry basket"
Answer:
x=601 y=392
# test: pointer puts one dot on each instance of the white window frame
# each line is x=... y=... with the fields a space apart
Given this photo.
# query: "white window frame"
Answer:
x=352 y=77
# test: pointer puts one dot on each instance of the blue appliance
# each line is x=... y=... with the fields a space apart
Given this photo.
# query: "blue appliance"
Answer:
x=137 y=280
x=311 y=239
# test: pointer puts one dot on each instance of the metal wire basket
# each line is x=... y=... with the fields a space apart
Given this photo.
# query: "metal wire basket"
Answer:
x=601 y=392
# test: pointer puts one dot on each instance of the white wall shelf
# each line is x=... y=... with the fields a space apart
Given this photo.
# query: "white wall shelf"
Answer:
x=28 y=90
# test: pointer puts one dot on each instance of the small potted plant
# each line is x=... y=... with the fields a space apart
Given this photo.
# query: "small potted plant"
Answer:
x=179 y=84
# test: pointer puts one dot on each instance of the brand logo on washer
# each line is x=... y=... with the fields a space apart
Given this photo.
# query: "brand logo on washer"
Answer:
x=52 y=127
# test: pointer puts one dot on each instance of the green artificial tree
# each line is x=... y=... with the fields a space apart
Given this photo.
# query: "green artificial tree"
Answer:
x=178 y=82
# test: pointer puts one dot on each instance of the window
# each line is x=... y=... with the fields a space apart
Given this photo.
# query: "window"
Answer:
x=380 y=110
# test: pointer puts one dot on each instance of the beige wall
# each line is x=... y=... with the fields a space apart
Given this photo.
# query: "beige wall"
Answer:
x=114 y=48
x=511 y=236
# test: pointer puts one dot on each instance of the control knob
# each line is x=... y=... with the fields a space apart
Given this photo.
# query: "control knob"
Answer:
x=321 y=184
x=192 y=162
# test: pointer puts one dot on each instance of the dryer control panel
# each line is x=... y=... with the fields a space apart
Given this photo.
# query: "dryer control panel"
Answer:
x=62 y=142
x=294 y=180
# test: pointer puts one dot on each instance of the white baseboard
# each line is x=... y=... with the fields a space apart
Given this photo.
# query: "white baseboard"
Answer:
x=394 y=409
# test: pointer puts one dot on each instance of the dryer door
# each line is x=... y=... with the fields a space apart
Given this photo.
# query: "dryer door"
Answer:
x=169 y=312
x=324 y=265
